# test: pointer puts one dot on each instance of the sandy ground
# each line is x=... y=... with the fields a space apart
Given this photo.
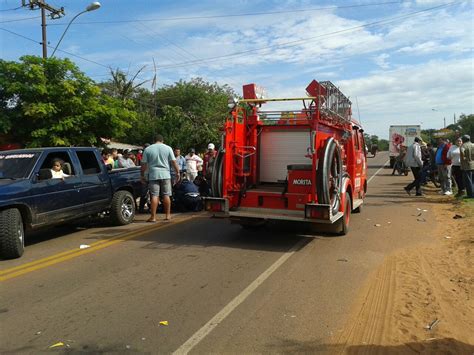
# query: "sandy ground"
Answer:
x=421 y=300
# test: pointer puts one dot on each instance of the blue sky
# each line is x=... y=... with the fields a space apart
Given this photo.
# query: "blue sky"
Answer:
x=406 y=62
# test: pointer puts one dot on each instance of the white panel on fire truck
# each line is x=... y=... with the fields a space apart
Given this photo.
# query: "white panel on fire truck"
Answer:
x=278 y=149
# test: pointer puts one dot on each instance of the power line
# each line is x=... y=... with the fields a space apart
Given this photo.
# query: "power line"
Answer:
x=60 y=50
x=15 y=8
x=21 y=19
x=283 y=45
x=234 y=15
x=309 y=39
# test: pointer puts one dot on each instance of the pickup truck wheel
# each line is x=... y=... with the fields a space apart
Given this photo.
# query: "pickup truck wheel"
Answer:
x=12 y=234
x=122 y=210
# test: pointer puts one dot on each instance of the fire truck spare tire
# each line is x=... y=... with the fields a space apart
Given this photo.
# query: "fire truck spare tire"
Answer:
x=217 y=175
x=12 y=234
x=329 y=175
x=122 y=210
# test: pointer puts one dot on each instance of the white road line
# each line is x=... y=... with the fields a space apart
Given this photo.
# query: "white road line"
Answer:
x=383 y=166
x=197 y=337
x=219 y=317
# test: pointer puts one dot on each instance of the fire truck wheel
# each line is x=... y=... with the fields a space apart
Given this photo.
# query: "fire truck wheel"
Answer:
x=329 y=176
x=343 y=223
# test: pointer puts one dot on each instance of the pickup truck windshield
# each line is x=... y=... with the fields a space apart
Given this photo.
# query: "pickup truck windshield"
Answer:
x=16 y=165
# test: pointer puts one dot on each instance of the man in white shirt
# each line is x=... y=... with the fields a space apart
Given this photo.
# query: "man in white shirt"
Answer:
x=193 y=163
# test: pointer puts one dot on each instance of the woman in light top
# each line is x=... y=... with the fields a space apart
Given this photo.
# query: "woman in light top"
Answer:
x=454 y=155
x=57 y=169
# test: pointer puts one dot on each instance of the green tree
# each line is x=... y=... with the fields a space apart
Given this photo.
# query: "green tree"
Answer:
x=50 y=102
x=465 y=124
x=202 y=112
x=383 y=144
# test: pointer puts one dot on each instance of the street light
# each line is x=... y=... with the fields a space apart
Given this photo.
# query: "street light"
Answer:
x=93 y=6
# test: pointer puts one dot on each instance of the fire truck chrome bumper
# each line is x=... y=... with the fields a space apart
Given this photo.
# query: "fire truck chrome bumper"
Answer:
x=284 y=215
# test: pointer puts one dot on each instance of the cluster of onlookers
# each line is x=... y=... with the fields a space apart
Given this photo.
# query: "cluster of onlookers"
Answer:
x=121 y=158
x=165 y=173
x=443 y=164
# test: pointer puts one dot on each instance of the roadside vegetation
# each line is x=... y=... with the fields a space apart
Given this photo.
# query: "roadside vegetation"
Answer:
x=50 y=102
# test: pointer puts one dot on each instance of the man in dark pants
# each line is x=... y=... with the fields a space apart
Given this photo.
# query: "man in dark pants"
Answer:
x=467 y=165
x=413 y=159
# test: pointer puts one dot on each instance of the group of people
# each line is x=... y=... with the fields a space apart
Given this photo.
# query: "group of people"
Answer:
x=121 y=159
x=448 y=161
x=165 y=171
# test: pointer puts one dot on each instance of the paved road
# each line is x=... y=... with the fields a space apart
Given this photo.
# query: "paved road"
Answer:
x=221 y=289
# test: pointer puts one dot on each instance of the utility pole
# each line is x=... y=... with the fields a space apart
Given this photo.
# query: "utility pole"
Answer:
x=444 y=122
x=54 y=13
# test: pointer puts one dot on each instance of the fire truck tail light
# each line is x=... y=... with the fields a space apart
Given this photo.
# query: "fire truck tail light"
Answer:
x=314 y=211
x=214 y=205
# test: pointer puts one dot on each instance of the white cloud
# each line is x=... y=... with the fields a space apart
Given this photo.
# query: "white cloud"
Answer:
x=408 y=93
x=381 y=60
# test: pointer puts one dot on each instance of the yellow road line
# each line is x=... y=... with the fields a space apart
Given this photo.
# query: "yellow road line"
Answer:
x=70 y=254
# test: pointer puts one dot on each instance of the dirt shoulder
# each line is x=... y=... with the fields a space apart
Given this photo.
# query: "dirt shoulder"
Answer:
x=421 y=300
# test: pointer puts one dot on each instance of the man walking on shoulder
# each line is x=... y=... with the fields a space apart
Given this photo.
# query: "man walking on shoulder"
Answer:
x=157 y=159
x=414 y=161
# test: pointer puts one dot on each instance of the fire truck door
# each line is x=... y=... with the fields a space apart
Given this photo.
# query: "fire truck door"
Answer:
x=359 y=160
x=280 y=148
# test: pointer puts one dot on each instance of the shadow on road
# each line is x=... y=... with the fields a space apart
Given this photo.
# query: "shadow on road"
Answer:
x=435 y=346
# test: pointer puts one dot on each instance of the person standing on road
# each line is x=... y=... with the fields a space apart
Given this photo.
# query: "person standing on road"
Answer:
x=181 y=165
x=157 y=159
x=444 y=166
x=454 y=154
x=193 y=163
x=208 y=161
x=413 y=160
x=467 y=164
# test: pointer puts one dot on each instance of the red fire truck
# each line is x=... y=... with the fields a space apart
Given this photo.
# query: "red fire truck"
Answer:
x=306 y=165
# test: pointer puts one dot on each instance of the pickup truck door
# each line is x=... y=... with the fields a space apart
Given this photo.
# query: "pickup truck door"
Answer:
x=96 y=185
x=55 y=199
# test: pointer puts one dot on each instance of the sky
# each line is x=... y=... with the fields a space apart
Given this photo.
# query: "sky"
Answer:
x=400 y=62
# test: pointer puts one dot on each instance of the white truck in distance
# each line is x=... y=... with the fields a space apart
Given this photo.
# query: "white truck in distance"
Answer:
x=401 y=135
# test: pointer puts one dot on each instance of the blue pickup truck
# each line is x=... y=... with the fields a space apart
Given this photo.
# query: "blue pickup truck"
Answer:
x=31 y=198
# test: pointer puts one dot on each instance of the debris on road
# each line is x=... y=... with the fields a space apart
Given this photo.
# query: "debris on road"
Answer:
x=38 y=333
x=343 y=259
x=389 y=222
x=84 y=246
x=457 y=216
x=432 y=324
x=421 y=220
x=164 y=322
x=57 y=345
x=425 y=210
x=377 y=225
x=446 y=237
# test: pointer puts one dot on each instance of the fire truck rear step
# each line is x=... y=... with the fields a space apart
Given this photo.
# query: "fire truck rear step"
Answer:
x=276 y=214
